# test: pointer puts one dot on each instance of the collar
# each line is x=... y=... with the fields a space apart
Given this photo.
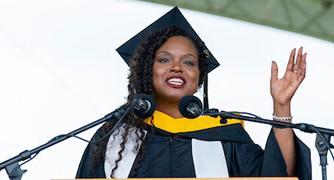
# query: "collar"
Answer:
x=180 y=125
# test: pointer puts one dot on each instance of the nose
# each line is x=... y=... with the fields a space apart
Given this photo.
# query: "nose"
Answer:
x=176 y=66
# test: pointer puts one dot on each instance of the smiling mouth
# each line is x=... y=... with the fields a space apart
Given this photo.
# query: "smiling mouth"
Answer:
x=175 y=82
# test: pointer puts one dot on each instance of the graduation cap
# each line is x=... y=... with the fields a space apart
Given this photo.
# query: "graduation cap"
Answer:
x=172 y=18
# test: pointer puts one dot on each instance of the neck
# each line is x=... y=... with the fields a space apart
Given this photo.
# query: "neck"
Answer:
x=171 y=109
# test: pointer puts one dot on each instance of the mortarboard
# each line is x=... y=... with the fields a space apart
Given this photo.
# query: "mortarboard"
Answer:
x=172 y=18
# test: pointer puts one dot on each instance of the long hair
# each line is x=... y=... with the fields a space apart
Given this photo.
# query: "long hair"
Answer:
x=141 y=82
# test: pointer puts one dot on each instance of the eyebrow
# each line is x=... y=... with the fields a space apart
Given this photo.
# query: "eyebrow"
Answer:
x=188 y=54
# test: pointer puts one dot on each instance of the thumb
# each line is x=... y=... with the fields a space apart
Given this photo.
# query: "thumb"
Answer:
x=274 y=71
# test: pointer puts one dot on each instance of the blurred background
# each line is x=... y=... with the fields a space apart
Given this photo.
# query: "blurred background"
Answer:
x=59 y=69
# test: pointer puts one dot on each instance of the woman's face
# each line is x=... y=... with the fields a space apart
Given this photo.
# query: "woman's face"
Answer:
x=175 y=70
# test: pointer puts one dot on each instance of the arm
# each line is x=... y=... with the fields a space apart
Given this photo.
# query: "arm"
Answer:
x=282 y=91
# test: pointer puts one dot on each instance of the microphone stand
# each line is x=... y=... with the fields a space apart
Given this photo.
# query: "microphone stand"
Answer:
x=12 y=165
x=322 y=139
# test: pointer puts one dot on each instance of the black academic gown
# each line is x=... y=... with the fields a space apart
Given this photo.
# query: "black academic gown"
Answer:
x=169 y=155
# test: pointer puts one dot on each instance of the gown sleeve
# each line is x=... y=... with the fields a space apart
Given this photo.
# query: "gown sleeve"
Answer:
x=248 y=159
x=303 y=159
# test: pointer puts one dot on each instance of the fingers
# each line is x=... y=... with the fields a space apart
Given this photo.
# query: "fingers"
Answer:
x=302 y=67
x=289 y=67
x=298 y=59
x=297 y=64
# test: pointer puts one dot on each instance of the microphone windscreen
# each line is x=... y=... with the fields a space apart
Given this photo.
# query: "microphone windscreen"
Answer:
x=143 y=105
x=190 y=106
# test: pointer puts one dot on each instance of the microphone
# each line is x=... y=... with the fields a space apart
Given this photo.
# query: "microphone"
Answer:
x=190 y=107
x=143 y=105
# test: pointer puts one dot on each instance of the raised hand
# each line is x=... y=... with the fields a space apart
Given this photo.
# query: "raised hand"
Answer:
x=283 y=89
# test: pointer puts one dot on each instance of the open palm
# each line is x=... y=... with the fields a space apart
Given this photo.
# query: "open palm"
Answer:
x=283 y=89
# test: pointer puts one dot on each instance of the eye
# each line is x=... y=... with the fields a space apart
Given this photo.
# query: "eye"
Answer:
x=163 y=60
x=189 y=62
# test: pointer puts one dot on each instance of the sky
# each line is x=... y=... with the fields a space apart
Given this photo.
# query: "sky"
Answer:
x=59 y=71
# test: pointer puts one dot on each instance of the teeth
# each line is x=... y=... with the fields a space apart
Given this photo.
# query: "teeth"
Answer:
x=175 y=81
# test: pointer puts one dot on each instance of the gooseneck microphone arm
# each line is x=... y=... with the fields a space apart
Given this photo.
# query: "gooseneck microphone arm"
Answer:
x=142 y=106
x=309 y=128
x=322 y=140
x=12 y=165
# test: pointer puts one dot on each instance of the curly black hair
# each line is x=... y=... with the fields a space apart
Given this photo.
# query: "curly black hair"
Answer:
x=141 y=82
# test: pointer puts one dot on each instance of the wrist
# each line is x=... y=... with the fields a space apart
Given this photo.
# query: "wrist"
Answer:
x=282 y=110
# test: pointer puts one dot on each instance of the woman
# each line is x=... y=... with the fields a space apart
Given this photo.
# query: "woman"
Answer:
x=172 y=63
